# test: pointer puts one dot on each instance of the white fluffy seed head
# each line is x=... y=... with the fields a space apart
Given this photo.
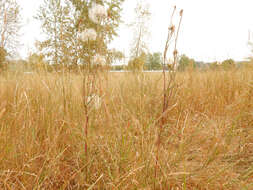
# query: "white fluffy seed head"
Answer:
x=88 y=34
x=98 y=60
x=97 y=13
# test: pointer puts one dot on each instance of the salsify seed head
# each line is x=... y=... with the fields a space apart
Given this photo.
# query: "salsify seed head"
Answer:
x=88 y=35
x=97 y=13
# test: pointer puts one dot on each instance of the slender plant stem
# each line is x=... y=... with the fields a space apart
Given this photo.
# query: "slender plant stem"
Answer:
x=171 y=83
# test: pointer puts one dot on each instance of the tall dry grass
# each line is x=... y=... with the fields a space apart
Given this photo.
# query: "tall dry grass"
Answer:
x=207 y=142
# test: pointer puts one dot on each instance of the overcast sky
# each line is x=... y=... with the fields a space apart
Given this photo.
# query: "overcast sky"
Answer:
x=212 y=30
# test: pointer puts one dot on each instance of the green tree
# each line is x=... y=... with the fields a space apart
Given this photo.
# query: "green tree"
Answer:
x=106 y=28
x=37 y=62
x=186 y=63
x=153 y=61
x=117 y=67
x=114 y=55
x=140 y=28
x=56 y=19
x=136 y=64
x=228 y=64
x=67 y=22
x=213 y=65
x=10 y=25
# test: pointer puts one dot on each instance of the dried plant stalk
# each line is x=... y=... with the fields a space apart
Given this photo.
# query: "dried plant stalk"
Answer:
x=169 y=87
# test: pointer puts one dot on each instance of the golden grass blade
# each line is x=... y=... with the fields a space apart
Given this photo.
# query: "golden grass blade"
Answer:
x=2 y=112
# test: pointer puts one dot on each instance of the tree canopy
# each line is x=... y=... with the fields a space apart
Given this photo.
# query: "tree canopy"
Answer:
x=10 y=25
x=75 y=33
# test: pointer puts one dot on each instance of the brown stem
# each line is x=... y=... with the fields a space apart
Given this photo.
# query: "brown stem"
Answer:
x=170 y=84
x=86 y=134
x=175 y=47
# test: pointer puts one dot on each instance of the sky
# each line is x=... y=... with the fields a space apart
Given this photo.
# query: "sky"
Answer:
x=212 y=30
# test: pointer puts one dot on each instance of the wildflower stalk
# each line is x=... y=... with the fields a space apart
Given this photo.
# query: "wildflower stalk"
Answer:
x=91 y=74
x=169 y=37
x=86 y=114
x=170 y=85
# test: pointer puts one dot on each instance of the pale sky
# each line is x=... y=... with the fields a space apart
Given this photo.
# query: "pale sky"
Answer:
x=212 y=30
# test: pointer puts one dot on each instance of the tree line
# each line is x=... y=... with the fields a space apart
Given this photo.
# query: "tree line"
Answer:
x=153 y=61
x=74 y=37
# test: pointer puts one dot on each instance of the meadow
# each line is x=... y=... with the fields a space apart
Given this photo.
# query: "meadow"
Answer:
x=206 y=143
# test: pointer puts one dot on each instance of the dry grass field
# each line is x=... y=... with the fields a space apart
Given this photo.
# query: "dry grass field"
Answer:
x=207 y=142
